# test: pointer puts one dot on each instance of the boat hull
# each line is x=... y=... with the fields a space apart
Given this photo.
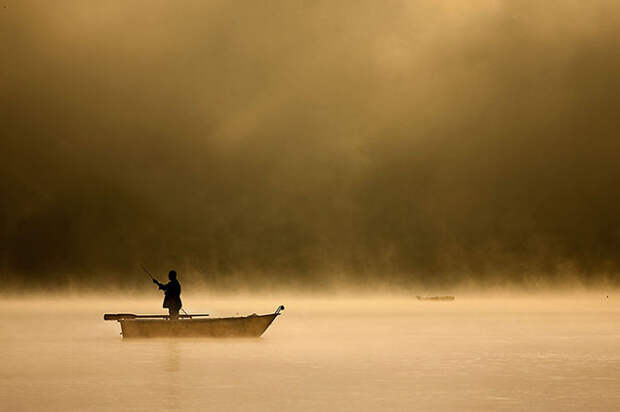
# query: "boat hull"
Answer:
x=247 y=326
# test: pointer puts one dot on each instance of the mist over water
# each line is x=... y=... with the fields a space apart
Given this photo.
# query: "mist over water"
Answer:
x=337 y=157
x=430 y=141
x=379 y=352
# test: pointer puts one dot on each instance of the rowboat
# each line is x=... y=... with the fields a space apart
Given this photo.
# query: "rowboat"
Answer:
x=159 y=326
x=435 y=297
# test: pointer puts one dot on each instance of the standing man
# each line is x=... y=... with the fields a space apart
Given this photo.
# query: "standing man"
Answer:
x=172 y=289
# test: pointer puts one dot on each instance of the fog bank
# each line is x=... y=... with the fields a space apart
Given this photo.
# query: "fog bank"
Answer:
x=430 y=142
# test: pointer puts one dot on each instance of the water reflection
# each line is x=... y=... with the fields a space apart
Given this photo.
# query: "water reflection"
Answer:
x=173 y=355
x=172 y=359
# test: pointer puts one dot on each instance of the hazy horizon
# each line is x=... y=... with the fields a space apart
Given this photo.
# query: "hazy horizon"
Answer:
x=336 y=157
x=413 y=143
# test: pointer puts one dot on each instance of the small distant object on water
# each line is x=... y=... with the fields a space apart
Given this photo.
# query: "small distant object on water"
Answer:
x=441 y=298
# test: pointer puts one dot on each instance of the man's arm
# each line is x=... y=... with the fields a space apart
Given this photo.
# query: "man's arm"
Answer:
x=159 y=284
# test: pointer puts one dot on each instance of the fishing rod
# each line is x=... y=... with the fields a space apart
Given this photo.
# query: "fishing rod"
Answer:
x=147 y=272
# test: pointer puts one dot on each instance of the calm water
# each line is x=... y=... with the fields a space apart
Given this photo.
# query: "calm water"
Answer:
x=372 y=353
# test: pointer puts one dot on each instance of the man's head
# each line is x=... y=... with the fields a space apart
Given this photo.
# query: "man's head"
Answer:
x=172 y=275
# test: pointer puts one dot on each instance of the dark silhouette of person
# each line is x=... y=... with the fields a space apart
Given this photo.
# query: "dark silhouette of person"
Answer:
x=172 y=290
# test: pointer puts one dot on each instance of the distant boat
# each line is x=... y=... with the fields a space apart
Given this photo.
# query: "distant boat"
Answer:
x=158 y=326
x=435 y=297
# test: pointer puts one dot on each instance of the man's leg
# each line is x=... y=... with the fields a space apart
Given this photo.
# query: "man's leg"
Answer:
x=174 y=313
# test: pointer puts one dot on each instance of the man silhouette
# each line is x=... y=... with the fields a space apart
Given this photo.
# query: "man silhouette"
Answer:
x=172 y=290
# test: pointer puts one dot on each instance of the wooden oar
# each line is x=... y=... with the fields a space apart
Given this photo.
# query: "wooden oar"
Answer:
x=122 y=316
